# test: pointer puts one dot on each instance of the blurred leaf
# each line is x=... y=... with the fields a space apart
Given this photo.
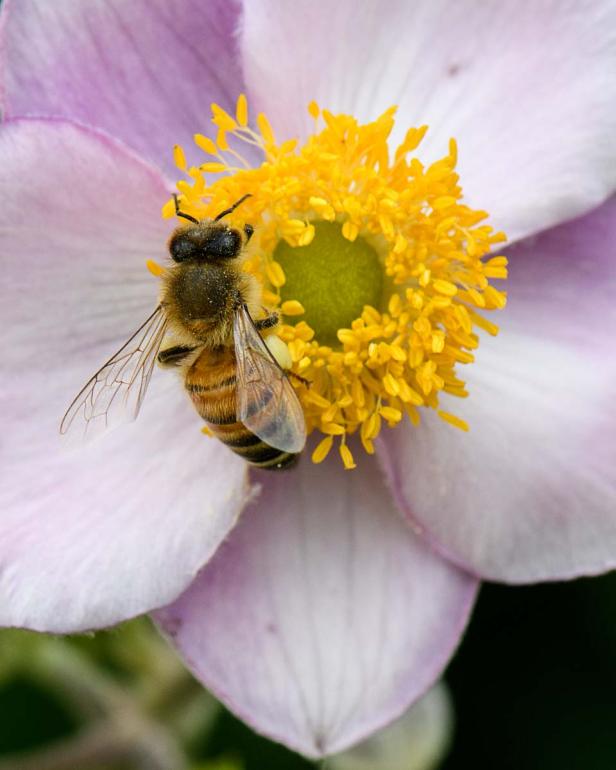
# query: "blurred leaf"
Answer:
x=17 y=649
x=220 y=764
x=30 y=716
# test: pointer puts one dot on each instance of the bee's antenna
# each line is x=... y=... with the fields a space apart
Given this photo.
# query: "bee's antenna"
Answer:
x=232 y=208
x=179 y=213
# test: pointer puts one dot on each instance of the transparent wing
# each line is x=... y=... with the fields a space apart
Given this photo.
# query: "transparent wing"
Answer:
x=115 y=393
x=266 y=402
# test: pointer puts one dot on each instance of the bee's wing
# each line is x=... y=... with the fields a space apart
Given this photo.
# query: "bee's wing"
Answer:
x=115 y=393
x=266 y=402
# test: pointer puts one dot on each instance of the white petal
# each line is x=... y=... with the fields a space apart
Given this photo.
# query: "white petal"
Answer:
x=530 y=493
x=322 y=617
x=527 y=89
x=144 y=70
x=92 y=537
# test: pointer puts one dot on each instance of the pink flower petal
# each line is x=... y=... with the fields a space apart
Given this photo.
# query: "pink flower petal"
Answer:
x=530 y=493
x=322 y=617
x=92 y=537
x=526 y=88
x=2 y=60
x=419 y=740
x=144 y=70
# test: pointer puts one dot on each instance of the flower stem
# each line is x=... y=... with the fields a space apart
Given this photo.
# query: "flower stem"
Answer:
x=101 y=745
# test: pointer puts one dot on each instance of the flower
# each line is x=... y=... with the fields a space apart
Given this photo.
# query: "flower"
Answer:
x=386 y=266
x=321 y=615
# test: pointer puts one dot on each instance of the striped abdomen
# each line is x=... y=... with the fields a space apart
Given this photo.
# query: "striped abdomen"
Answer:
x=211 y=385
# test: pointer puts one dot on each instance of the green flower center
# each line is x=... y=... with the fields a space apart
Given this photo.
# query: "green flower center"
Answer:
x=332 y=277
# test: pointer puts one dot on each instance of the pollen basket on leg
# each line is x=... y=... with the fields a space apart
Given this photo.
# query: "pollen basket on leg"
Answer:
x=381 y=273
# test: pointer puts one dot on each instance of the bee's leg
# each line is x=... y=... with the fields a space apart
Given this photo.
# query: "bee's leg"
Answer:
x=306 y=383
x=268 y=322
x=174 y=356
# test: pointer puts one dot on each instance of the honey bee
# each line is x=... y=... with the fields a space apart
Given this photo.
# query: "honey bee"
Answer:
x=208 y=309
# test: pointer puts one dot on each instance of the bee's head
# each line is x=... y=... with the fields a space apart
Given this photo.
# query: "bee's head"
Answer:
x=207 y=242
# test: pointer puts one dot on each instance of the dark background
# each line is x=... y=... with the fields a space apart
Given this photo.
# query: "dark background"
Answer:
x=534 y=687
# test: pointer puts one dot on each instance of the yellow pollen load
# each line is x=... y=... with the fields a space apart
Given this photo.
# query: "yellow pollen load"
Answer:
x=392 y=360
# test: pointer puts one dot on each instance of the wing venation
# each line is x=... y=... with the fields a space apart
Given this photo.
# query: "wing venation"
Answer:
x=115 y=393
x=267 y=404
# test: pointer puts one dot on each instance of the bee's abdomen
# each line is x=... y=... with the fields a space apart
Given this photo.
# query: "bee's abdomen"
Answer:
x=211 y=385
x=244 y=443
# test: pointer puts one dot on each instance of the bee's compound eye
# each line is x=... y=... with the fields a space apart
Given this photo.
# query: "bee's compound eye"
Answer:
x=182 y=248
x=248 y=231
x=224 y=243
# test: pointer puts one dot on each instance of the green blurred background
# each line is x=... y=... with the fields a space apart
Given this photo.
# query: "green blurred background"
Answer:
x=533 y=686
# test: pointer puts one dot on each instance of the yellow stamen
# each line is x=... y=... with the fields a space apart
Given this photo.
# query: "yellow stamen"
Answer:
x=322 y=450
x=241 y=110
x=206 y=144
x=347 y=457
x=453 y=420
x=213 y=167
x=179 y=158
x=275 y=274
x=401 y=349
x=292 y=307
x=222 y=119
x=313 y=109
x=154 y=268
